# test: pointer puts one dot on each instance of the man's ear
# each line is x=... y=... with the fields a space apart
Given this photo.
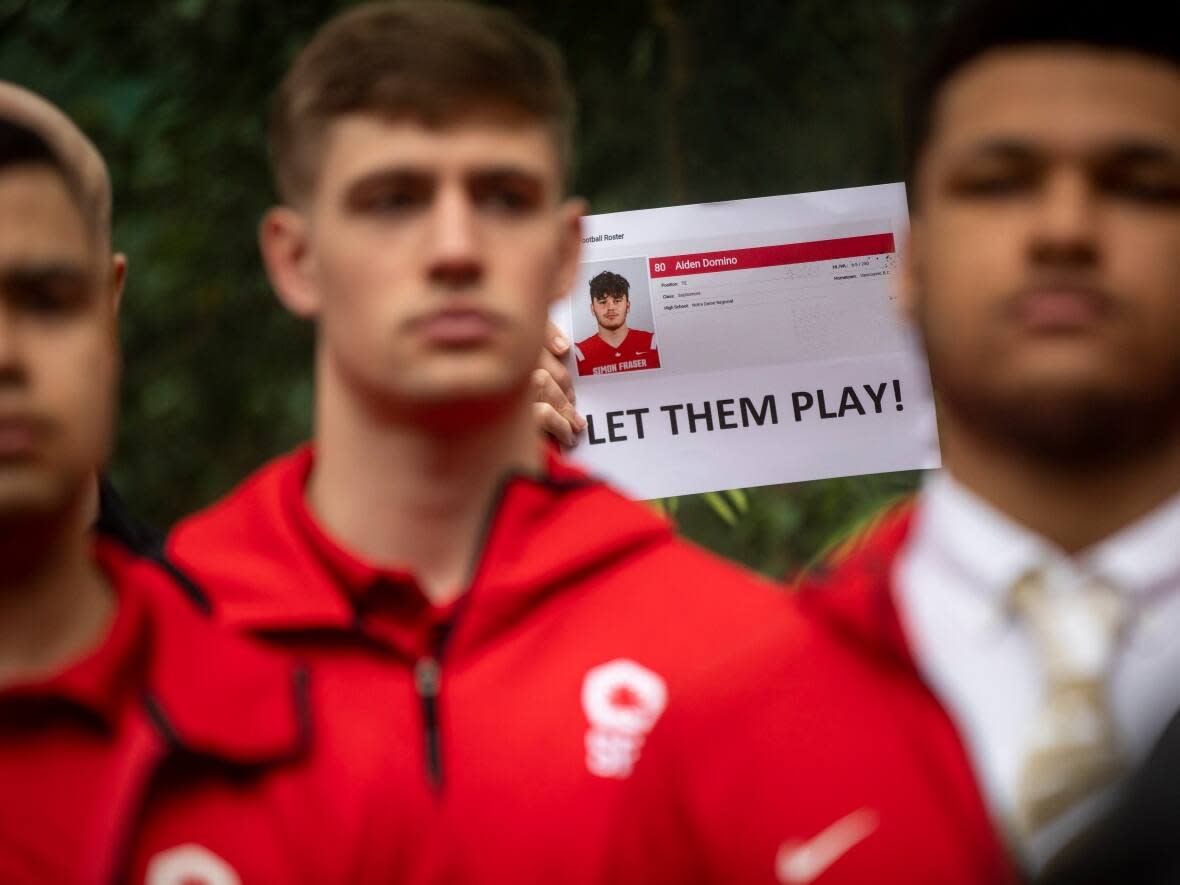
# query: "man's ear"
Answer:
x=570 y=246
x=283 y=241
x=906 y=283
x=117 y=280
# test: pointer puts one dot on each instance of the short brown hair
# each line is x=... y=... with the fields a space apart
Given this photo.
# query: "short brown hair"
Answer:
x=430 y=60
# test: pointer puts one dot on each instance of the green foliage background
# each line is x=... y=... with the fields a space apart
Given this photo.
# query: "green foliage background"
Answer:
x=680 y=101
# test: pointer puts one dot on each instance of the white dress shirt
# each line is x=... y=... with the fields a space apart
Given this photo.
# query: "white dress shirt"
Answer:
x=952 y=583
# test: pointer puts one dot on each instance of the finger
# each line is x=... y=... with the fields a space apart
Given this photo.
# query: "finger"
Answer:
x=554 y=423
x=545 y=390
x=577 y=422
x=555 y=342
x=560 y=375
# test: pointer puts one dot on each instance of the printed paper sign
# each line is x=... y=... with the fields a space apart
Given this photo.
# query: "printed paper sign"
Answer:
x=729 y=345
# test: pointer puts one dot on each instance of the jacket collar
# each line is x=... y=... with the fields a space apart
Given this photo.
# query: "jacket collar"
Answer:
x=853 y=592
x=270 y=568
x=104 y=680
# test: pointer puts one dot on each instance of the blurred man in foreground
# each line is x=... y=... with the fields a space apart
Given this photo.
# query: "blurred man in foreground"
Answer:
x=520 y=624
x=1012 y=632
x=137 y=742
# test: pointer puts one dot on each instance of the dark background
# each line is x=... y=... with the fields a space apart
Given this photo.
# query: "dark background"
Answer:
x=681 y=101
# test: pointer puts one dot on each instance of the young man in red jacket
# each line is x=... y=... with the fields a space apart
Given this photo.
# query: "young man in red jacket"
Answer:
x=138 y=742
x=1012 y=632
x=522 y=625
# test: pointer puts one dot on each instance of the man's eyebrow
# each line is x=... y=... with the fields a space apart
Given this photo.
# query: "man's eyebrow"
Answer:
x=1123 y=150
x=391 y=175
x=419 y=175
x=999 y=148
x=506 y=171
x=1140 y=151
x=34 y=273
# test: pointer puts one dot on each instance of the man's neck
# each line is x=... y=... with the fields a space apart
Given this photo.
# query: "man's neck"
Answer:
x=55 y=603
x=1073 y=507
x=613 y=337
x=403 y=496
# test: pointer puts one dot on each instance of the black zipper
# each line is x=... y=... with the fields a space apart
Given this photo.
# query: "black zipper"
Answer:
x=428 y=668
x=428 y=682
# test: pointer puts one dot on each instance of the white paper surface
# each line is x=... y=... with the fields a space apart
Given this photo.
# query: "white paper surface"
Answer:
x=773 y=322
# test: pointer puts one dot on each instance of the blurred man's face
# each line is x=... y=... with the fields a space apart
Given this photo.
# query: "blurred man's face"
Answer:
x=1044 y=269
x=58 y=359
x=610 y=309
x=430 y=257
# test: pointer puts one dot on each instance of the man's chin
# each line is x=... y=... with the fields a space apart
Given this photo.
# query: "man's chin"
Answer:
x=32 y=500
x=465 y=403
x=1070 y=427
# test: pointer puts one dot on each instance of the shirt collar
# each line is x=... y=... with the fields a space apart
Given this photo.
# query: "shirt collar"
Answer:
x=1144 y=557
x=975 y=540
x=992 y=551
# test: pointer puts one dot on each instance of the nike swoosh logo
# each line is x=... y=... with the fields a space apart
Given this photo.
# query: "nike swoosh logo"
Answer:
x=802 y=862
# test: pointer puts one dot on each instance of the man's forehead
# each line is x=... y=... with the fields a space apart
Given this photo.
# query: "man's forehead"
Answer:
x=1060 y=93
x=39 y=219
x=354 y=143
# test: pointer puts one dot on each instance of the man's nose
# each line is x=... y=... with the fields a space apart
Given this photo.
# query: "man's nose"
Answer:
x=1067 y=220
x=454 y=239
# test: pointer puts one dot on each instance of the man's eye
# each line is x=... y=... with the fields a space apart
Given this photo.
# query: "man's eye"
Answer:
x=985 y=185
x=507 y=200
x=47 y=300
x=1151 y=190
x=392 y=201
x=510 y=195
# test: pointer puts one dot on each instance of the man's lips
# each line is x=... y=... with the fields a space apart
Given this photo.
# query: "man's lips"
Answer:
x=20 y=435
x=457 y=325
x=1061 y=307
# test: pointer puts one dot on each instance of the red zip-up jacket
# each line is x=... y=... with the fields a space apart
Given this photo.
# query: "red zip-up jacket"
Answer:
x=526 y=705
x=847 y=771
x=176 y=752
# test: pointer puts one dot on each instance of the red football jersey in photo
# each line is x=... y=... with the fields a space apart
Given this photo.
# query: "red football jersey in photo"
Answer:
x=636 y=351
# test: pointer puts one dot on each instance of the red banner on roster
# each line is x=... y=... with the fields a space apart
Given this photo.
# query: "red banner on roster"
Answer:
x=772 y=256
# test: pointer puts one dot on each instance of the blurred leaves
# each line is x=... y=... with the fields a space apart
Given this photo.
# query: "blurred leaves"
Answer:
x=680 y=100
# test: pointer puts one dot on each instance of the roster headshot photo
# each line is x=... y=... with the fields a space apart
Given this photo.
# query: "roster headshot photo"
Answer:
x=613 y=323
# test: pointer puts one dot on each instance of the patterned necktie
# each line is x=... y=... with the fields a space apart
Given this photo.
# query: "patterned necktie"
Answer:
x=1073 y=750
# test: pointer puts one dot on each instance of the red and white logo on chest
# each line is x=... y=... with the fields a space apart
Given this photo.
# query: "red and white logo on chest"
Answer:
x=622 y=700
x=190 y=864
